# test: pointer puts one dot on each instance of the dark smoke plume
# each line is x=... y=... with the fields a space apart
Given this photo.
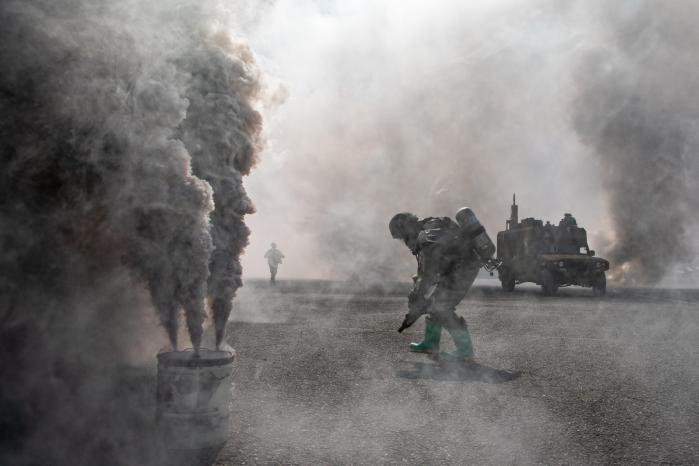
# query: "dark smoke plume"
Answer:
x=126 y=131
x=638 y=109
x=221 y=130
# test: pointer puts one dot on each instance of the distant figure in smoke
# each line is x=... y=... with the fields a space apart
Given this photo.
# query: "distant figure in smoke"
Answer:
x=274 y=257
x=448 y=258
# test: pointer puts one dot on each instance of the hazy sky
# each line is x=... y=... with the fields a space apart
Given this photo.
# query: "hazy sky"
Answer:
x=426 y=107
x=380 y=107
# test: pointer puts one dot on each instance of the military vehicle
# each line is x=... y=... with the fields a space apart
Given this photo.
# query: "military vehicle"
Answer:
x=548 y=255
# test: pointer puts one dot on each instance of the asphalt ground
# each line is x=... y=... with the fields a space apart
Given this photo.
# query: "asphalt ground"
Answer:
x=322 y=377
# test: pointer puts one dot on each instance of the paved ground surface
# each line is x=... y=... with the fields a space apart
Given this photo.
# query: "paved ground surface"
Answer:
x=323 y=377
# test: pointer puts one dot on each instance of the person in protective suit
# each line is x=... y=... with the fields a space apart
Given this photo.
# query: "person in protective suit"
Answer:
x=448 y=255
x=274 y=257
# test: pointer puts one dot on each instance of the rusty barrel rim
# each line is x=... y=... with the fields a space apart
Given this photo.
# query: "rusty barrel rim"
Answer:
x=206 y=358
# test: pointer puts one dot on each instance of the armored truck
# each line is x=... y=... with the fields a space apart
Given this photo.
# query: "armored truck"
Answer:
x=549 y=255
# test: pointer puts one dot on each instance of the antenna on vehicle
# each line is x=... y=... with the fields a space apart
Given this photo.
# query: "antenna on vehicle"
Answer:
x=514 y=217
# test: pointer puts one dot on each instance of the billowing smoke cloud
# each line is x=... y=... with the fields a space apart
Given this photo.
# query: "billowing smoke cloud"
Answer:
x=575 y=106
x=126 y=132
x=222 y=131
x=416 y=107
x=638 y=109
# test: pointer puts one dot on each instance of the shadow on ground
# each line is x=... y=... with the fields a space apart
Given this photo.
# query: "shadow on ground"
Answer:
x=458 y=372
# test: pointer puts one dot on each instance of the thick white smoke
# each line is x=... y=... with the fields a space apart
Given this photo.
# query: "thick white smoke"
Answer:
x=399 y=106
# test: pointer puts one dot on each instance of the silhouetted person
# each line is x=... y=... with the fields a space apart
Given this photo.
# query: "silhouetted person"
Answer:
x=274 y=257
x=448 y=255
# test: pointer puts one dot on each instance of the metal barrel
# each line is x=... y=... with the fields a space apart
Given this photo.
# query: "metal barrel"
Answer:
x=193 y=404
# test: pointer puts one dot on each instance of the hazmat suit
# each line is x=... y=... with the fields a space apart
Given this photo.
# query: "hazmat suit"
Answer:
x=448 y=257
x=274 y=257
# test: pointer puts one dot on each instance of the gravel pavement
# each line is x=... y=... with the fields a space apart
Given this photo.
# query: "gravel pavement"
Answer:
x=322 y=377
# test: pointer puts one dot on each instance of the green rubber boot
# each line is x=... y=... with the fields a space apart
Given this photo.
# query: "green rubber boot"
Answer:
x=464 y=347
x=429 y=344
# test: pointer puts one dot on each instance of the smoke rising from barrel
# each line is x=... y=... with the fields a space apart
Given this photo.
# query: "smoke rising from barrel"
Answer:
x=419 y=108
x=126 y=132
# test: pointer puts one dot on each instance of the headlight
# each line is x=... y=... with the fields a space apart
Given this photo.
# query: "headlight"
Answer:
x=561 y=264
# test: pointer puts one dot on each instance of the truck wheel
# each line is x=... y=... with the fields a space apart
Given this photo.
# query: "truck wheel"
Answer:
x=506 y=280
x=599 y=285
x=548 y=283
